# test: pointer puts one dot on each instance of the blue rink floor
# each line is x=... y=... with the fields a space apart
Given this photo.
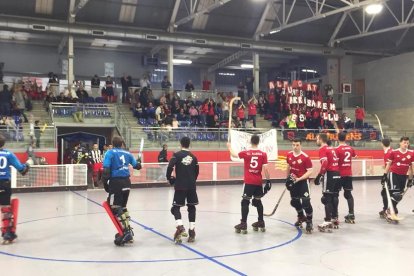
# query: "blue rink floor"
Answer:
x=69 y=233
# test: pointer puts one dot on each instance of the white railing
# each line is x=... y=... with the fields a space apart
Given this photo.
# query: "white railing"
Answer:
x=230 y=171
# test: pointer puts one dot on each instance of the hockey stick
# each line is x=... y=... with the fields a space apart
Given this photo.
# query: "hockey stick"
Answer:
x=141 y=148
x=387 y=192
x=277 y=204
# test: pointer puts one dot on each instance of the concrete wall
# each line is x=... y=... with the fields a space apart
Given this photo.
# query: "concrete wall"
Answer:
x=389 y=85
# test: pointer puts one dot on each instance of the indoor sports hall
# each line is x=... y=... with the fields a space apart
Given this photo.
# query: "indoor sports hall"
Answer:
x=99 y=98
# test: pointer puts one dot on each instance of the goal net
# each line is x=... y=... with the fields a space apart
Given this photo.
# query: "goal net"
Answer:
x=50 y=176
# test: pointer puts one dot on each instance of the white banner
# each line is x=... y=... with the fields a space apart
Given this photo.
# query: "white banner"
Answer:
x=240 y=141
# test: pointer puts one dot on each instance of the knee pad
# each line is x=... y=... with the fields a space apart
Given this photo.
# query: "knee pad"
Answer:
x=245 y=202
x=295 y=203
x=347 y=194
x=256 y=202
x=396 y=196
x=326 y=198
x=174 y=210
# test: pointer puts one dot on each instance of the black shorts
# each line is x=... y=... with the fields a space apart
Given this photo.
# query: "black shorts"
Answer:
x=180 y=197
x=251 y=191
x=346 y=183
x=5 y=192
x=119 y=191
x=331 y=182
x=397 y=182
x=300 y=189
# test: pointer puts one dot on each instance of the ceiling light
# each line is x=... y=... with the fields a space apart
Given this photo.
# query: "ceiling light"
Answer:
x=274 y=31
x=160 y=70
x=309 y=71
x=247 y=66
x=226 y=74
x=182 y=61
x=374 y=9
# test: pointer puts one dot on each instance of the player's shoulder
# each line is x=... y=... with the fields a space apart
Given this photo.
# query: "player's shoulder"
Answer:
x=304 y=154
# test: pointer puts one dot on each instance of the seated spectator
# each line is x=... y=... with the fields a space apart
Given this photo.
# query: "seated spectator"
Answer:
x=139 y=111
x=181 y=116
x=150 y=111
x=159 y=114
x=82 y=94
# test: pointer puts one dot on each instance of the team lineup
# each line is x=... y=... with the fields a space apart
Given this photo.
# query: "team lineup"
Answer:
x=182 y=172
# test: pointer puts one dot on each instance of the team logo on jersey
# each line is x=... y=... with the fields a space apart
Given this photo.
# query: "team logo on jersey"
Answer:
x=294 y=162
x=300 y=161
x=398 y=164
x=187 y=160
x=403 y=159
x=408 y=156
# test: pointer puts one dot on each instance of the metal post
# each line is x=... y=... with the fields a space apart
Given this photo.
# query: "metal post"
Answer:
x=70 y=75
x=170 y=65
x=256 y=71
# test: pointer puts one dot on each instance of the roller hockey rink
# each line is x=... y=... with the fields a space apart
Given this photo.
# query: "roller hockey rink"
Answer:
x=69 y=233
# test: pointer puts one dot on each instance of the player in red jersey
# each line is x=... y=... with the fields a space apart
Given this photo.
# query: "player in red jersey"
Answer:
x=299 y=169
x=400 y=161
x=387 y=151
x=329 y=172
x=345 y=153
x=254 y=161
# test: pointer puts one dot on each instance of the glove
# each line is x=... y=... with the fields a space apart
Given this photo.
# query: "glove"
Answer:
x=384 y=179
x=171 y=180
x=138 y=166
x=25 y=170
x=267 y=187
x=318 y=179
x=289 y=182
x=410 y=183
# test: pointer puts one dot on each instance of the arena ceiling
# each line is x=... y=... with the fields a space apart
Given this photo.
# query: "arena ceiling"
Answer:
x=282 y=30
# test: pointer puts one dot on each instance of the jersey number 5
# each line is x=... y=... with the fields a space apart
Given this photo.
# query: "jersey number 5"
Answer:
x=253 y=162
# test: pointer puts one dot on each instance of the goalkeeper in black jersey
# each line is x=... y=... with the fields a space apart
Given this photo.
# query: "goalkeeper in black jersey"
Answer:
x=186 y=173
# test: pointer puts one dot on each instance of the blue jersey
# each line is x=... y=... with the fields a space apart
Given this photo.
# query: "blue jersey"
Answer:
x=117 y=160
x=8 y=159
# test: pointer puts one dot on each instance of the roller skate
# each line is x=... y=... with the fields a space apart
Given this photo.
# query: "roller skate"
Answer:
x=350 y=218
x=179 y=234
x=241 y=228
x=259 y=225
x=8 y=237
x=128 y=237
x=335 y=223
x=301 y=219
x=309 y=227
x=191 y=235
x=326 y=226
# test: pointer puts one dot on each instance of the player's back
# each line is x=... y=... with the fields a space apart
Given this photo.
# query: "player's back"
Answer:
x=185 y=169
x=7 y=159
x=345 y=153
x=118 y=161
x=254 y=160
x=329 y=154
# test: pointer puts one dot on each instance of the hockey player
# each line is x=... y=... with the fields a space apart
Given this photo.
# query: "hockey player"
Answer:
x=117 y=184
x=186 y=173
x=329 y=172
x=345 y=154
x=254 y=161
x=387 y=151
x=400 y=161
x=299 y=169
x=96 y=158
x=8 y=206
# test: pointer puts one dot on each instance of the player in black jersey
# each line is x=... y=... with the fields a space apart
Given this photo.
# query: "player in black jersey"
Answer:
x=186 y=173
